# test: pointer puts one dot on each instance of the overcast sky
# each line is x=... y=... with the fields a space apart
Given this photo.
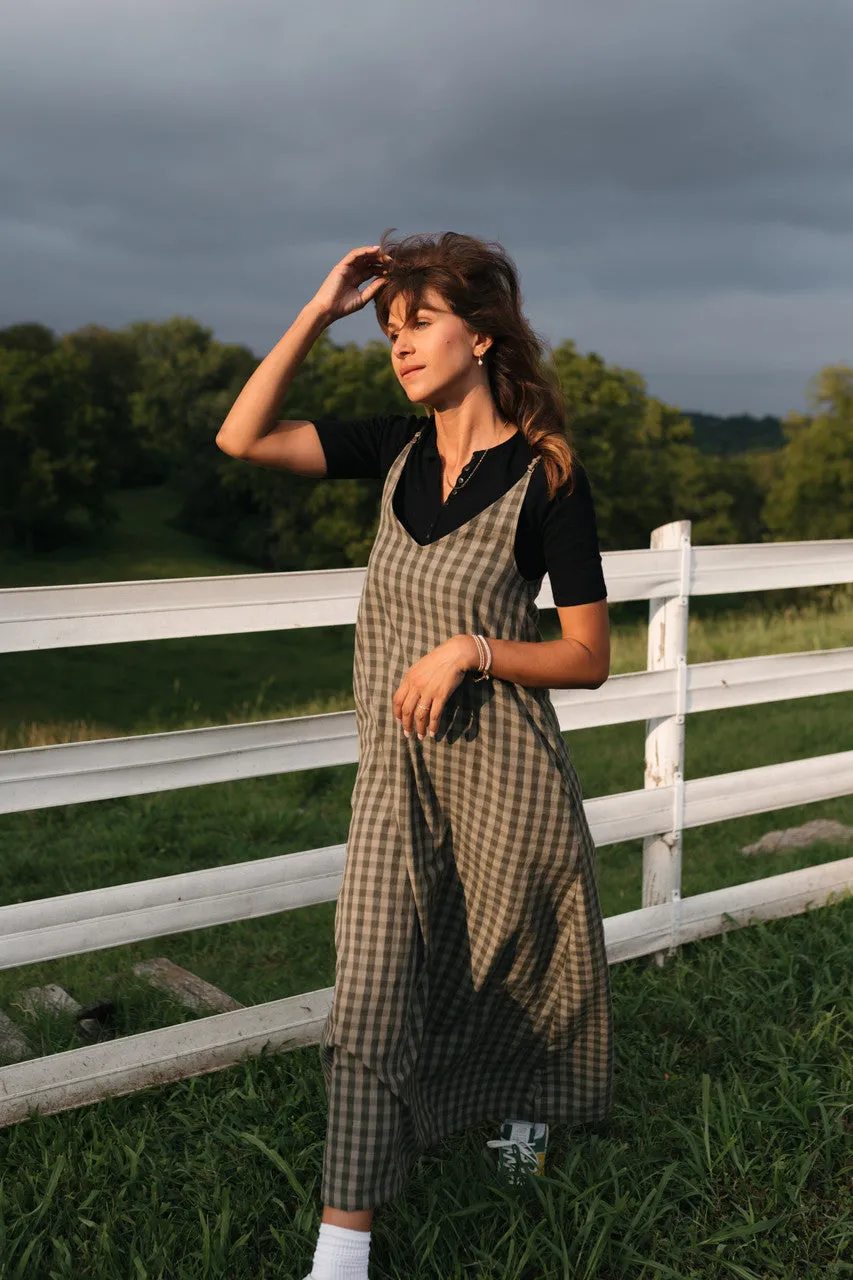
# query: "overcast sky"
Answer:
x=673 y=178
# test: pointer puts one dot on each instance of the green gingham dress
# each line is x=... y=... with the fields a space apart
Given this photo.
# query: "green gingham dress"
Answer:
x=471 y=977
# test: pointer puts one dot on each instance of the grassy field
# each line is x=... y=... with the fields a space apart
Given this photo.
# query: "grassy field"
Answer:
x=727 y=1153
x=725 y=1156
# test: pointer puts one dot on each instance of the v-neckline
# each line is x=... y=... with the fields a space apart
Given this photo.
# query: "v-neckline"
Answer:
x=423 y=546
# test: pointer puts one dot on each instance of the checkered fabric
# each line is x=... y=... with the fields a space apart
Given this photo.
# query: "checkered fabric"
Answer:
x=471 y=977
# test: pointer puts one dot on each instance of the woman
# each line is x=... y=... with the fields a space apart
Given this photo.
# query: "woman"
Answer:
x=471 y=978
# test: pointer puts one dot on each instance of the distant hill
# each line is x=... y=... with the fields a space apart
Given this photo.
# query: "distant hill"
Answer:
x=736 y=434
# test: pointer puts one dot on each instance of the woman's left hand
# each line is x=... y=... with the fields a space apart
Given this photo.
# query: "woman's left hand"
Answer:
x=430 y=681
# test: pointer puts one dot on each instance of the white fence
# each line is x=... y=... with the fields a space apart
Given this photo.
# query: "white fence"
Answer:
x=666 y=575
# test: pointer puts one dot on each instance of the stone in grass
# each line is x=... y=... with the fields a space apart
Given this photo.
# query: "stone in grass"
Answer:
x=14 y=1045
x=186 y=987
x=50 y=999
x=91 y=1021
x=801 y=837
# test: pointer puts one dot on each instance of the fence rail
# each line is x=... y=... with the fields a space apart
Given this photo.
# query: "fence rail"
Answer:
x=35 y=618
x=105 y=768
x=95 y=919
x=110 y=612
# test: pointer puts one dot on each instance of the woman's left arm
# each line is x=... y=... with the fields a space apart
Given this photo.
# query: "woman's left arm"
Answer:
x=580 y=660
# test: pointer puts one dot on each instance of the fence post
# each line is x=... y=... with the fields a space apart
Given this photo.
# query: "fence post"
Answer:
x=667 y=649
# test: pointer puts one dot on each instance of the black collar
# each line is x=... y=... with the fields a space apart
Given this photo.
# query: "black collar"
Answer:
x=428 y=442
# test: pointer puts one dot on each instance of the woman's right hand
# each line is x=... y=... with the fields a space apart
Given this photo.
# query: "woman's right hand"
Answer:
x=339 y=295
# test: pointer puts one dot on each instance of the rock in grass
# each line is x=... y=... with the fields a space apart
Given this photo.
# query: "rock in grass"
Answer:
x=13 y=1043
x=91 y=1021
x=801 y=837
x=51 y=999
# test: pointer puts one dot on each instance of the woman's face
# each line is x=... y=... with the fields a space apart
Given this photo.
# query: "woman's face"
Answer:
x=438 y=348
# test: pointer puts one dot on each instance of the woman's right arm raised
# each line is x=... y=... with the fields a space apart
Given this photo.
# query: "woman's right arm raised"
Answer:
x=250 y=432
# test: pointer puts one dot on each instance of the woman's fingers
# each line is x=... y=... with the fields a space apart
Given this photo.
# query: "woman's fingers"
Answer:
x=432 y=716
x=360 y=264
x=418 y=718
x=366 y=251
x=410 y=713
x=360 y=269
x=372 y=289
x=361 y=259
x=404 y=702
x=339 y=293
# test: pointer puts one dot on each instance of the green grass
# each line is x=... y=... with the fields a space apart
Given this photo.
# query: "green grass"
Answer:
x=143 y=544
x=727 y=1153
x=726 y=1146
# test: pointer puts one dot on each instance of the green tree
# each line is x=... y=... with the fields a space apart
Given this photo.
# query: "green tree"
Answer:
x=180 y=375
x=721 y=496
x=112 y=372
x=57 y=456
x=644 y=467
x=811 y=494
x=32 y=337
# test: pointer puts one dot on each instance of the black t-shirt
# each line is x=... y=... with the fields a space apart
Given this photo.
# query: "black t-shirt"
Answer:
x=556 y=536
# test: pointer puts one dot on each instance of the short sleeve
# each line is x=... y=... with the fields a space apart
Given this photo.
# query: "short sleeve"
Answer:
x=364 y=448
x=570 y=545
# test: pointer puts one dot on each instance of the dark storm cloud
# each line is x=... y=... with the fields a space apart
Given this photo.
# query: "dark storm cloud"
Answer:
x=672 y=178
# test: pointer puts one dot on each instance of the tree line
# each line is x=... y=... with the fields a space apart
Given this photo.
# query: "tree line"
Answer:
x=88 y=413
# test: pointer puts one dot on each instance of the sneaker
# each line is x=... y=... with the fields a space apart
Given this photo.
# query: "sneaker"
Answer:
x=521 y=1149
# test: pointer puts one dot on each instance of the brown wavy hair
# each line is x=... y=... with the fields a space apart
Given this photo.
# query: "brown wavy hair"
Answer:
x=479 y=282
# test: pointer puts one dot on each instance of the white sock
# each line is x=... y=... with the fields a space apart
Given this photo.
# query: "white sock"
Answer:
x=341 y=1254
